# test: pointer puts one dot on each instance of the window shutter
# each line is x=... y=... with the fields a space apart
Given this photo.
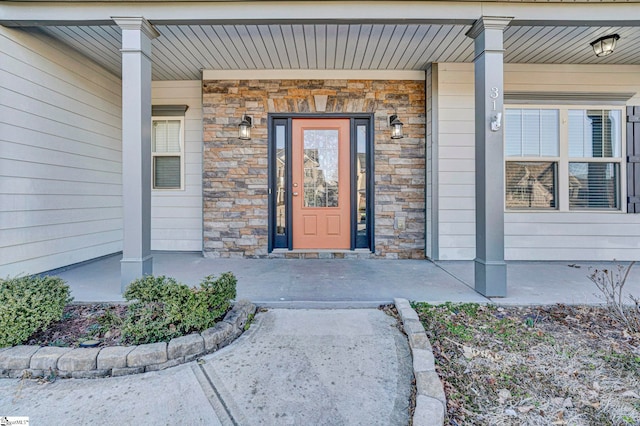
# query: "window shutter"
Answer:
x=633 y=159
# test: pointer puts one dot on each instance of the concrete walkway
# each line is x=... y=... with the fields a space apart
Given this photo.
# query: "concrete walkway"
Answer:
x=293 y=367
x=316 y=283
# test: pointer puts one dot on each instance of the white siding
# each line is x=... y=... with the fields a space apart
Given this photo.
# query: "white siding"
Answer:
x=176 y=215
x=60 y=156
x=456 y=191
x=528 y=236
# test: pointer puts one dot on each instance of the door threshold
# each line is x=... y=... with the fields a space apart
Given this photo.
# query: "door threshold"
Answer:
x=321 y=254
x=283 y=250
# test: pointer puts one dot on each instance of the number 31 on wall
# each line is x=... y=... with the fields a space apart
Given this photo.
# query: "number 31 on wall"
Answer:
x=496 y=118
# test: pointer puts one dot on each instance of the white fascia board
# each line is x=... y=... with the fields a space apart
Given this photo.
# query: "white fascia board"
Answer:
x=312 y=75
x=167 y=13
x=14 y=13
x=566 y=14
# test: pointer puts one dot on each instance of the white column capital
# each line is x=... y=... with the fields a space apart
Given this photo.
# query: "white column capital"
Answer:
x=488 y=23
x=138 y=23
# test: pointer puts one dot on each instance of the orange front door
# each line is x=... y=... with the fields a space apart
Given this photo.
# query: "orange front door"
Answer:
x=321 y=184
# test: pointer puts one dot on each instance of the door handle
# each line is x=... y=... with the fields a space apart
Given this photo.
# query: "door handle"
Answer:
x=295 y=194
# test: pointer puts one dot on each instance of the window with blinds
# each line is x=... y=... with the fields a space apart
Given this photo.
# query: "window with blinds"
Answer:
x=167 y=153
x=530 y=136
x=579 y=150
x=532 y=133
x=594 y=140
x=531 y=184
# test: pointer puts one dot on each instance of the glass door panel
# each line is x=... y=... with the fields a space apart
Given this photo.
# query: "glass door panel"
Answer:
x=321 y=168
x=281 y=180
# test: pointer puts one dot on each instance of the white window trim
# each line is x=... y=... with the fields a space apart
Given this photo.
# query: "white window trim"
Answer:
x=169 y=154
x=563 y=159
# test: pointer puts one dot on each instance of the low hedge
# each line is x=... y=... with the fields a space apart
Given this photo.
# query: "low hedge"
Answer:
x=30 y=304
x=163 y=308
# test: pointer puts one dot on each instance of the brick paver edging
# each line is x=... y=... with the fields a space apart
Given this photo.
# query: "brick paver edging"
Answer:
x=37 y=361
x=430 y=399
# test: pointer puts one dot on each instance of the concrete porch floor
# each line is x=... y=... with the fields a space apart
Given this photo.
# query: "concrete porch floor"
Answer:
x=332 y=283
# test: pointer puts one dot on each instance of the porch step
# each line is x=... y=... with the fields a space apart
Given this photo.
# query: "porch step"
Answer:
x=321 y=254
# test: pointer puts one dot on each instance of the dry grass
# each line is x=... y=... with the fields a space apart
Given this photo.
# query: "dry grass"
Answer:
x=559 y=365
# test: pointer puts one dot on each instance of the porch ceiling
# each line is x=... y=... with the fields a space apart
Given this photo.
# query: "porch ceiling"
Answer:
x=183 y=50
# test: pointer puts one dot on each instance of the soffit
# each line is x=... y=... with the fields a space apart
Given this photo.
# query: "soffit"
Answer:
x=182 y=51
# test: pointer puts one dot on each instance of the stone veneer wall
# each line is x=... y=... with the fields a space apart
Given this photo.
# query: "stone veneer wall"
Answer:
x=235 y=175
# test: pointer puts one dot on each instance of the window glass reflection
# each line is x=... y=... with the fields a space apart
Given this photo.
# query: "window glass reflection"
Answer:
x=593 y=186
x=320 y=168
x=281 y=180
x=361 y=179
x=530 y=184
x=594 y=133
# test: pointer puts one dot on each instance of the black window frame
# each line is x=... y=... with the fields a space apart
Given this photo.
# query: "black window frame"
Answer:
x=279 y=241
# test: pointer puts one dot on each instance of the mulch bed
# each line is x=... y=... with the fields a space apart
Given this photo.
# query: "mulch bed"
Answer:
x=97 y=321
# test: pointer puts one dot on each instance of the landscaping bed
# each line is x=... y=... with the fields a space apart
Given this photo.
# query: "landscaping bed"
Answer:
x=37 y=311
x=80 y=323
x=534 y=365
x=165 y=323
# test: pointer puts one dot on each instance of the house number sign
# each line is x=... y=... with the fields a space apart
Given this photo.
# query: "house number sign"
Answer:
x=495 y=92
x=496 y=117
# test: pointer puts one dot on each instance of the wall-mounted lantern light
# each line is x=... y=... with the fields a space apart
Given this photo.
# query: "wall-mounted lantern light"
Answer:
x=244 y=128
x=605 y=45
x=396 y=127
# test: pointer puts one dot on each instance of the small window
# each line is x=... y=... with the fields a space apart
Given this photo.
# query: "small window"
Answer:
x=167 y=146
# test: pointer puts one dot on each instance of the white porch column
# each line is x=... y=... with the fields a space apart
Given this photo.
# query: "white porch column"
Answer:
x=137 y=34
x=490 y=267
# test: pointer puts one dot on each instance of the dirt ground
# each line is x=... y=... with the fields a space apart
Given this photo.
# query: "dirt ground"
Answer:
x=536 y=365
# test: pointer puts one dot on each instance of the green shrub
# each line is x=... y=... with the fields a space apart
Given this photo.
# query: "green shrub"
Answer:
x=30 y=304
x=163 y=308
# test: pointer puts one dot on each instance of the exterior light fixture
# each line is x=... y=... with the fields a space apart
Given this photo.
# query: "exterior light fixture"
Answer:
x=604 y=45
x=396 y=127
x=244 y=128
